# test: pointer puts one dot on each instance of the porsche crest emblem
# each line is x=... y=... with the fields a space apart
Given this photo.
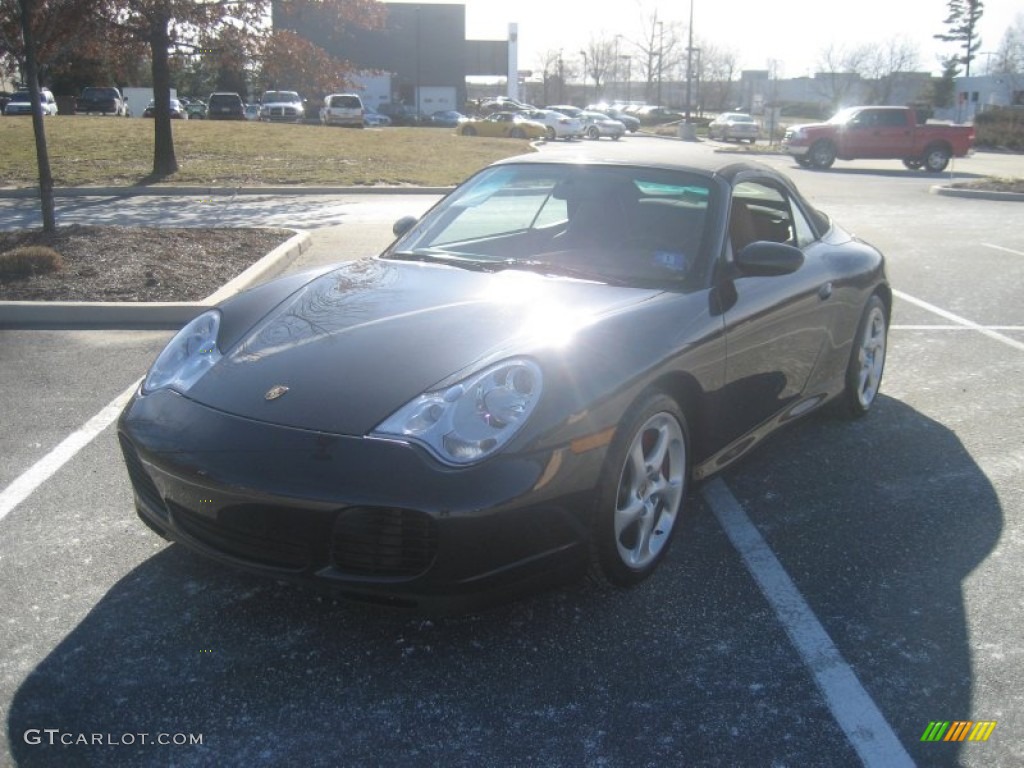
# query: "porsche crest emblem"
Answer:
x=275 y=392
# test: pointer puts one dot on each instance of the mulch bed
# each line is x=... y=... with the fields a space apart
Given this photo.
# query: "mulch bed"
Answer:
x=137 y=263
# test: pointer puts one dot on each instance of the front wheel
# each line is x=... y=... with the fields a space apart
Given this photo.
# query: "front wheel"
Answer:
x=593 y=133
x=802 y=161
x=912 y=163
x=551 y=133
x=469 y=130
x=936 y=158
x=641 y=492
x=867 y=360
x=822 y=154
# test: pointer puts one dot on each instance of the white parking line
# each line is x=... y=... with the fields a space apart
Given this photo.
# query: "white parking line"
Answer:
x=954 y=328
x=960 y=320
x=853 y=708
x=44 y=469
x=1004 y=248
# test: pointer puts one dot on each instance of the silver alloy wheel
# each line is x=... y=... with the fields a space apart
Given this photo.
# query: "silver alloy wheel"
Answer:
x=871 y=357
x=650 y=490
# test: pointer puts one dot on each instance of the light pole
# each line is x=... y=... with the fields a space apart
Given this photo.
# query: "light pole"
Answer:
x=629 y=75
x=584 y=55
x=687 y=130
x=661 y=55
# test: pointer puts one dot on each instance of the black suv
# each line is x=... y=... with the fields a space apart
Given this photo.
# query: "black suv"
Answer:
x=225 y=106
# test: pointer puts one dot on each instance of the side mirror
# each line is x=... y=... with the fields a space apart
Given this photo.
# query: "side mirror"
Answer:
x=764 y=258
x=403 y=225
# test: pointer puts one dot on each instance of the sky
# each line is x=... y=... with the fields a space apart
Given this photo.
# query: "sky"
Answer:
x=791 y=32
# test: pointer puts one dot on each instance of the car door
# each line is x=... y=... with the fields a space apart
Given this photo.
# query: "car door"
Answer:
x=776 y=325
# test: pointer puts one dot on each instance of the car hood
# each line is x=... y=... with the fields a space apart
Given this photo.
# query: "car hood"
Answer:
x=358 y=342
x=282 y=104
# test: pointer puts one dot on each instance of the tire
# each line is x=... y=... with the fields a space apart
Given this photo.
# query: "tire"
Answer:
x=867 y=360
x=912 y=163
x=802 y=161
x=936 y=158
x=469 y=130
x=517 y=133
x=641 y=493
x=616 y=137
x=551 y=133
x=822 y=154
x=593 y=133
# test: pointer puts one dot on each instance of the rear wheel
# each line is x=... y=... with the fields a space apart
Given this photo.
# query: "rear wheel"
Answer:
x=469 y=130
x=936 y=158
x=822 y=154
x=867 y=360
x=912 y=163
x=593 y=133
x=551 y=133
x=517 y=133
x=641 y=492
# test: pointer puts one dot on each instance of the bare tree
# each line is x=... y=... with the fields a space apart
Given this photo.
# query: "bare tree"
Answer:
x=840 y=72
x=600 y=62
x=884 y=63
x=716 y=75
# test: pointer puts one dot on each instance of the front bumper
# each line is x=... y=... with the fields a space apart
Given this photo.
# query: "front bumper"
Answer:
x=373 y=519
x=794 y=149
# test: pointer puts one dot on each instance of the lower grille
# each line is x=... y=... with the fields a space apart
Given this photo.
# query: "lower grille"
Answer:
x=264 y=536
x=378 y=542
x=141 y=481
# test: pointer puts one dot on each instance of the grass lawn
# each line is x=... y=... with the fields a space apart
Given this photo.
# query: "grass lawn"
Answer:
x=92 y=150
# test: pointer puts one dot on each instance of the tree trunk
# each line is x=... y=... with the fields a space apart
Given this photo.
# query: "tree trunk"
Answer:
x=42 y=155
x=164 y=161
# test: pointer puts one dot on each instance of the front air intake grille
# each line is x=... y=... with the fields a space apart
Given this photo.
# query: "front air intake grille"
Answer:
x=141 y=481
x=384 y=543
x=260 y=535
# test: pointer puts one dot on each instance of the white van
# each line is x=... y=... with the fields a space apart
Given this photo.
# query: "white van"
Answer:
x=342 y=109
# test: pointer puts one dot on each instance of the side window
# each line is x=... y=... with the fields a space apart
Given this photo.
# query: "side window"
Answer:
x=763 y=211
x=758 y=211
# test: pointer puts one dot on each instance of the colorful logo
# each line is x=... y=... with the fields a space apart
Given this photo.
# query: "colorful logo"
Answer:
x=958 y=730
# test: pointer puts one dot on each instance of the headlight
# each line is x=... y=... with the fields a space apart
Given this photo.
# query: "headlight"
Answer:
x=190 y=354
x=469 y=421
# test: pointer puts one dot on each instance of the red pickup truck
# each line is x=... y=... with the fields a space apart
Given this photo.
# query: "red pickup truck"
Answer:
x=878 y=132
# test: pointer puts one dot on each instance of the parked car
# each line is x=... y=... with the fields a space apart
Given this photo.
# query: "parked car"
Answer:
x=448 y=118
x=225 y=105
x=596 y=125
x=372 y=119
x=403 y=114
x=178 y=111
x=20 y=103
x=559 y=125
x=566 y=109
x=632 y=123
x=103 y=100
x=512 y=125
x=534 y=373
x=343 y=109
x=878 y=132
x=196 y=110
x=282 y=107
x=738 y=126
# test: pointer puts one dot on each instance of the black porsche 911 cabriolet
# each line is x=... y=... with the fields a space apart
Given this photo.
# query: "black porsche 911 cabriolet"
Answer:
x=519 y=389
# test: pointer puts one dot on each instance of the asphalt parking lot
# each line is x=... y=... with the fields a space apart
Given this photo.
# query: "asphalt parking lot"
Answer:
x=826 y=600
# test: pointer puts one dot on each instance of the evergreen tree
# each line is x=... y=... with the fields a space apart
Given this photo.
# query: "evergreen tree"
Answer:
x=961 y=20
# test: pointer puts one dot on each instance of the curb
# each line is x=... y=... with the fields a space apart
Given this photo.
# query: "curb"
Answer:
x=197 y=191
x=977 y=194
x=144 y=315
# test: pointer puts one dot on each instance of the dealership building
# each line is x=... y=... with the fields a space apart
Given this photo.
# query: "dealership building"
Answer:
x=420 y=57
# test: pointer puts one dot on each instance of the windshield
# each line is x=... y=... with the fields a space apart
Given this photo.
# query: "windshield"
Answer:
x=843 y=116
x=270 y=96
x=606 y=223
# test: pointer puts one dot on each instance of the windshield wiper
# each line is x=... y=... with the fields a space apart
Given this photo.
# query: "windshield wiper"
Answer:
x=436 y=258
x=554 y=268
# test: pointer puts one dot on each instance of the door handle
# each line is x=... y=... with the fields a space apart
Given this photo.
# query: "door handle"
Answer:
x=825 y=291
